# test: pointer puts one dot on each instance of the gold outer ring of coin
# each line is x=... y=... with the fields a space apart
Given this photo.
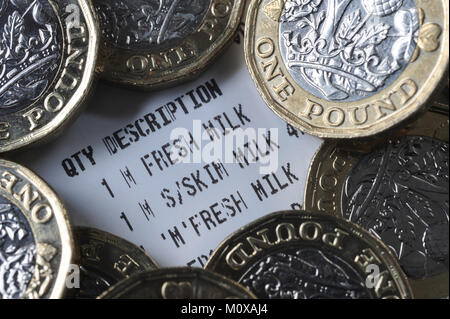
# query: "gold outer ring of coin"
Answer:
x=133 y=68
x=278 y=232
x=62 y=102
x=388 y=108
x=177 y=283
x=105 y=253
x=334 y=160
x=49 y=224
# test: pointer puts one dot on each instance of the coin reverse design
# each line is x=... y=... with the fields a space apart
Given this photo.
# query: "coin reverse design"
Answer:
x=347 y=68
x=153 y=44
x=36 y=244
x=300 y=255
x=106 y=260
x=48 y=53
x=397 y=189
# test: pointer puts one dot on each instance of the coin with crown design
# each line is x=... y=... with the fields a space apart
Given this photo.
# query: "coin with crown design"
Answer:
x=48 y=51
x=105 y=260
x=396 y=187
x=347 y=68
x=301 y=255
x=36 y=245
x=177 y=283
x=153 y=44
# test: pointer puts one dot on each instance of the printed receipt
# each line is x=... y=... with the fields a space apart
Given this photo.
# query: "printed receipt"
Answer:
x=158 y=169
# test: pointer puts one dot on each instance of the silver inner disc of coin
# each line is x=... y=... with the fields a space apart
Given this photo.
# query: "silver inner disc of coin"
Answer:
x=149 y=24
x=304 y=273
x=400 y=194
x=30 y=52
x=347 y=50
x=17 y=251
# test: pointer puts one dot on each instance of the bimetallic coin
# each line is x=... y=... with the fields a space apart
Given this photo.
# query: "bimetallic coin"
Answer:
x=177 y=283
x=48 y=52
x=397 y=188
x=106 y=260
x=153 y=44
x=300 y=255
x=348 y=68
x=36 y=243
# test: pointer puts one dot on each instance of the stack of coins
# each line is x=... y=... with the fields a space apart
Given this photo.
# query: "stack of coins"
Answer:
x=48 y=52
x=365 y=75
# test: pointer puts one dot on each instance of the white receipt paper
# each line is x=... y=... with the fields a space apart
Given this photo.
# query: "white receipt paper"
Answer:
x=115 y=171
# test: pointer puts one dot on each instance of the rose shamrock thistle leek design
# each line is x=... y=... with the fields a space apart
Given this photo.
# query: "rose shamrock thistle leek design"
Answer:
x=17 y=252
x=30 y=52
x=347 y=50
